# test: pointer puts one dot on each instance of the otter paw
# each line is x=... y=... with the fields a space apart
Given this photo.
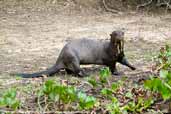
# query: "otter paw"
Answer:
x=133 y=68
x=116 y=73
x=82 y=74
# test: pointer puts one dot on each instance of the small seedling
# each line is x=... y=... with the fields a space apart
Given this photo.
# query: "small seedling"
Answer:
x=114 y=107
x=104 y=75
x=107 y=92
x=93 y=82
x=9 y=99
x=86 y=102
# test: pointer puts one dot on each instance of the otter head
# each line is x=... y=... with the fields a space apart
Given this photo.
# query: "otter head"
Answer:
x=117 y=40
x=117 y=36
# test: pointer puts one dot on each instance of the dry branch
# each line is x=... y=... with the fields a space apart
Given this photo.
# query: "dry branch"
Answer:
x=145 y=4
x=109 y=9
x=165 y=3
x=159 y=3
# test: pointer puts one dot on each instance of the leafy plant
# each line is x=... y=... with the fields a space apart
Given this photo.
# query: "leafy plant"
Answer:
x=117 y=85
x=9 y=99
x=164 y=58
x=56 y=92
x=114 y=107
x=159 y=85
x=62 y=94
x=107 y=92
x=86 y=102
x=162 y=84
x=135 y=105
x=104 y=75
x=138 y=106
x=129 y=95
x=93 y=82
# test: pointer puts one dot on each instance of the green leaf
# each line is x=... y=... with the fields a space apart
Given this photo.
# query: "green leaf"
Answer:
x=165 y=92
x=93 y=82
x=86 y=102
x=163 y=73
x=114 y=100
x=129 y=94
x=115 y=86
x=8 y=99
x=105 y=72
x=148 y=102
x=2 y=102
x=106 y=92
x=153 y=84
x=114 y=107
x=167 y=48
x=90 y=102
x=15 y=105
x=131 y=106
x=82 y=96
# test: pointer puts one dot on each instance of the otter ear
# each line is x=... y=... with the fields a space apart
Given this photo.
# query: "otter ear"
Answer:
x=114 y=33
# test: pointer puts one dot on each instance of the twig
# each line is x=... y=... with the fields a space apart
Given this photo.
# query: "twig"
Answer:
x=158 y=4
x=159 y=68
x=168 y=6
x=166 y=2
x=145 y=4
x=109 y=9
x=38 y=101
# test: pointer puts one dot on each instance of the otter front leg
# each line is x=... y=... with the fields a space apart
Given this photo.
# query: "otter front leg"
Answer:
x=68 y=71
x=124 y=61
x=113 y=69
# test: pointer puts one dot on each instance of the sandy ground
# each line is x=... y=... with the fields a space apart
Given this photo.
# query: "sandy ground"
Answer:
x=31 y=41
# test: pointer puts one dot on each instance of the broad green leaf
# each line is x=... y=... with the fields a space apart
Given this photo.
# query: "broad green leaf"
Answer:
x=114 y=100
x=115 y=86
x=82 y=96
x=105 y=72
x=129 y=94
x=153 y=84
x=163 y=73
x=93 y=82
x=106 y=92
x=15 y=105
x=165 y=92
x=90 y=102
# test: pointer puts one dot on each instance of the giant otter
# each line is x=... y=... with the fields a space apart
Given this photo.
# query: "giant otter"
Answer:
x=87 y=51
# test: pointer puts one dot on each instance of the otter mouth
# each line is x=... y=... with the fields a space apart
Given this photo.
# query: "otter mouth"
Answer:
x=120 y=46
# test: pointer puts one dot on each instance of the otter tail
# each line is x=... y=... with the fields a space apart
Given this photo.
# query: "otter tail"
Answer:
x=49 y=72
